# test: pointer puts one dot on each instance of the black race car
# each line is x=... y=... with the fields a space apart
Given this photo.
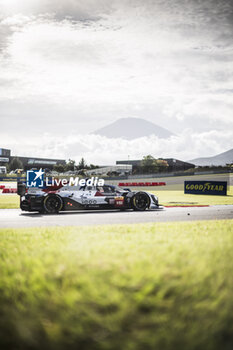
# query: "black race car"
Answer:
x=54 y=199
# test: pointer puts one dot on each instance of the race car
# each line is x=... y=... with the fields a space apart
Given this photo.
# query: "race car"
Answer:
x=63 y=198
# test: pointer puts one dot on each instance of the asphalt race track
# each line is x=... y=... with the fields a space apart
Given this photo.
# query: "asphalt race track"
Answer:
x=16 y=218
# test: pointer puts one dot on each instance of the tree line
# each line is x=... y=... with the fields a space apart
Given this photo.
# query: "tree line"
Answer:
x=148 y=165
x=71 y=165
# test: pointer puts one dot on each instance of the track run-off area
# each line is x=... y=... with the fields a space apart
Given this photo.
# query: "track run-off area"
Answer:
x=15 y=218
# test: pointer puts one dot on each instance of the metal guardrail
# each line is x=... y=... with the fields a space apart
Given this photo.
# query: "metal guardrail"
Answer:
x=14 y=178
x=160 y=175
x=137 y=176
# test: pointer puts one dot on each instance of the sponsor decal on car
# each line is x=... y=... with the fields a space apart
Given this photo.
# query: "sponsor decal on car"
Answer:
x=88 y=201
x=119 y=201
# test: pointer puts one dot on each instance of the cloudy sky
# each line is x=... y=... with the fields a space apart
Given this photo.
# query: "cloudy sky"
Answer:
x=70 y=67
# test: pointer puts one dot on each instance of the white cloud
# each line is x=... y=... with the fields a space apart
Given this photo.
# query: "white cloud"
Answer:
x=79 y=10
x=101 y=150
x=169 y=62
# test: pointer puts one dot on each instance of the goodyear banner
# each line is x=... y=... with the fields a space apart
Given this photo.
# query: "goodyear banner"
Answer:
x=206 y=187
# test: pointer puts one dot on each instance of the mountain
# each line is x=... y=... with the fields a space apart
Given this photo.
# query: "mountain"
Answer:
x=220 y=159
x=132 y=128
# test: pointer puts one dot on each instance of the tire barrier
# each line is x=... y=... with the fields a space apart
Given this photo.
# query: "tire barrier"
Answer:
x=9 y=190
x=139 y=184
x=2 y=187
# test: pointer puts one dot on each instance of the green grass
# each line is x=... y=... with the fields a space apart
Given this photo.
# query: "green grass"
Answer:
x=180 y=198
x=9 y=201
x=132 y=287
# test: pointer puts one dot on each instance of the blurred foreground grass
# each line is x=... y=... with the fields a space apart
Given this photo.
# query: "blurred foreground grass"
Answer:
x=153 y=286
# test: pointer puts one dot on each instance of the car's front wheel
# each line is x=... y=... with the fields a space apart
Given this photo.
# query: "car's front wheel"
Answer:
x=140 y=201
x=53 y=204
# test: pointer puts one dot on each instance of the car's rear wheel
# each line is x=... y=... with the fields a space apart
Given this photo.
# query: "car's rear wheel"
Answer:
x=53 y=204
x=140 y=201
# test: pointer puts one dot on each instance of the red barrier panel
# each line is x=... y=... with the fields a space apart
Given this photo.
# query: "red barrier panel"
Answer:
x=142 y=184
x=9 y=190
x=2 y=187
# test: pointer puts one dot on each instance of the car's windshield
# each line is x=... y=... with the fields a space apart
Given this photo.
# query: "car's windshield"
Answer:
x=118 y=189
x=103 y=189
x=109 y=189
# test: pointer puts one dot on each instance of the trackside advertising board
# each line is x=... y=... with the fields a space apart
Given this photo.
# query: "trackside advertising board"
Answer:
x=206 y=187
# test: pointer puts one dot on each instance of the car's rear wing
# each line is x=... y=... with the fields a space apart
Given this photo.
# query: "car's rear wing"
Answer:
x=21 y=188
